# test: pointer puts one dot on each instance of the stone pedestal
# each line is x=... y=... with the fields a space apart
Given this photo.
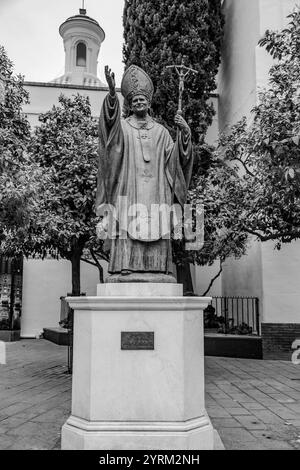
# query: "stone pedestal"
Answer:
x=146 y=390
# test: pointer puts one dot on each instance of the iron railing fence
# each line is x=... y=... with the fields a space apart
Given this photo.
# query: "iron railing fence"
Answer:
x=237 y=314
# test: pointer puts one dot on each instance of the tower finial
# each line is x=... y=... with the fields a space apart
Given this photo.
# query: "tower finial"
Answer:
x=82 y=10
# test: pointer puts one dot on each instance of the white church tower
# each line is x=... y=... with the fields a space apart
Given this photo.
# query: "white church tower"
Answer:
x=82 y=38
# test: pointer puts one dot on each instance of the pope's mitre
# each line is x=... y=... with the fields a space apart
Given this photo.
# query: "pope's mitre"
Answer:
x=136 y=82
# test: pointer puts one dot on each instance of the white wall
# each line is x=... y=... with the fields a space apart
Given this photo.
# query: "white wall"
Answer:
x=272 y=15
x=281 y=283
x=202 y=276
x=43 y=96
x=213 y=131
x=44 y=281
x=237 y=75
x=244 y=277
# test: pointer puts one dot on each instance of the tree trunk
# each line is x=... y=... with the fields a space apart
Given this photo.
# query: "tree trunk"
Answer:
x=100 y=269
x=101 y=273
x=75 y=260
x=184 y=277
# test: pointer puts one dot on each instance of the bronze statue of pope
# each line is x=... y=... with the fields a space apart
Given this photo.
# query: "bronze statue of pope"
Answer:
x=139 y=163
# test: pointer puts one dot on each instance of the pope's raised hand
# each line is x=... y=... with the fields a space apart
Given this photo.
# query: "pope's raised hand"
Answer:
x=110 y=78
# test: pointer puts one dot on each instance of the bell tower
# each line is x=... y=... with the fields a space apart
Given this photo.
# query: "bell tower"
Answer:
x=82 y=37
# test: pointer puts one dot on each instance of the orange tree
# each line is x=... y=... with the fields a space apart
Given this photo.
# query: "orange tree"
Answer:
x=17 y=173
x=63 y=222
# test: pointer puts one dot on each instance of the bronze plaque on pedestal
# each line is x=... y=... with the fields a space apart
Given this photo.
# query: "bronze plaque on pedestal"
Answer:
x=137 y=340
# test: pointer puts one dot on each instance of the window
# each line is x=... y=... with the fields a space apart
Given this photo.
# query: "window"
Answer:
x=81 y=54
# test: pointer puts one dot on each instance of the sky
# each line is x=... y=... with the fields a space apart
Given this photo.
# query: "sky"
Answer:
x=29 y=33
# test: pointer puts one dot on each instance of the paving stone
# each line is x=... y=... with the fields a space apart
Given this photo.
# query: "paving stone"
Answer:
x=281 y=398
x=227 y=403
x=251 y=422
x=45 y=433
x=294 y=422
x=237 y=411
x=12 y=422
x=238 y=435
x=294 y=407
x=266 y=416
x=220 y=423
x=215 y=412
x=240 y=439
x=30 y=443
x=274 y=444
x=253 y=406
x=5 y=442
x=283 y=413
x=277 y=439
x=13 y=409
x=53 y=416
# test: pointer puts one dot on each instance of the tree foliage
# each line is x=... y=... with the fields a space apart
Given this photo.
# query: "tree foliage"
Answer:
x=267 y=150
x=64 y=223
x=17 y=175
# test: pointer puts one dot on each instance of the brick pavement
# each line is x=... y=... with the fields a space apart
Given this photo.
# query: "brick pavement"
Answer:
x=34 y=395
x=252 y=404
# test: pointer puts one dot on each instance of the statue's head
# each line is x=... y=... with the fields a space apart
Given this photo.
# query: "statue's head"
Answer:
x=139 y=105
x=137 y=90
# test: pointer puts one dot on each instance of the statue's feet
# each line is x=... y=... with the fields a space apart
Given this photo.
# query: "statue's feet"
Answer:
x=125 y=272
x=130 y=276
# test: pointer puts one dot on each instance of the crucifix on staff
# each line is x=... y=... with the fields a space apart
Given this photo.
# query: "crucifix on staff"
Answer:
x=182 y=72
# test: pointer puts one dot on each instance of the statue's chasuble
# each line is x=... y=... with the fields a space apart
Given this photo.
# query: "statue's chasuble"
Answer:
x=137 y=159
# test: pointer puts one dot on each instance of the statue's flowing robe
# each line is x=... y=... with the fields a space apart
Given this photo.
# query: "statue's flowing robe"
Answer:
x=139 y=163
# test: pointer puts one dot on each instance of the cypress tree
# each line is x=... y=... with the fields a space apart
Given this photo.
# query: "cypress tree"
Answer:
x=158 y=33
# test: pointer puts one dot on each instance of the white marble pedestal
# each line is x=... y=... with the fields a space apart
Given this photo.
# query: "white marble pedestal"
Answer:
x=138 y=398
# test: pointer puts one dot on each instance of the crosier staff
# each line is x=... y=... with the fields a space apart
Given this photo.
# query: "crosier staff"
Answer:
x=182 y=72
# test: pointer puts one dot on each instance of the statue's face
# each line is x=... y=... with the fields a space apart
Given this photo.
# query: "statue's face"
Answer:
x=140 y=105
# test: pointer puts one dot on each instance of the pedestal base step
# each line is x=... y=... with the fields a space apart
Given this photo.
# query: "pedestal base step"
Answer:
x=194 y=434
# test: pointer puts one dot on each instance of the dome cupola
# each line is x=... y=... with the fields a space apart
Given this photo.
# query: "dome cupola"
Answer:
x=82 y=36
